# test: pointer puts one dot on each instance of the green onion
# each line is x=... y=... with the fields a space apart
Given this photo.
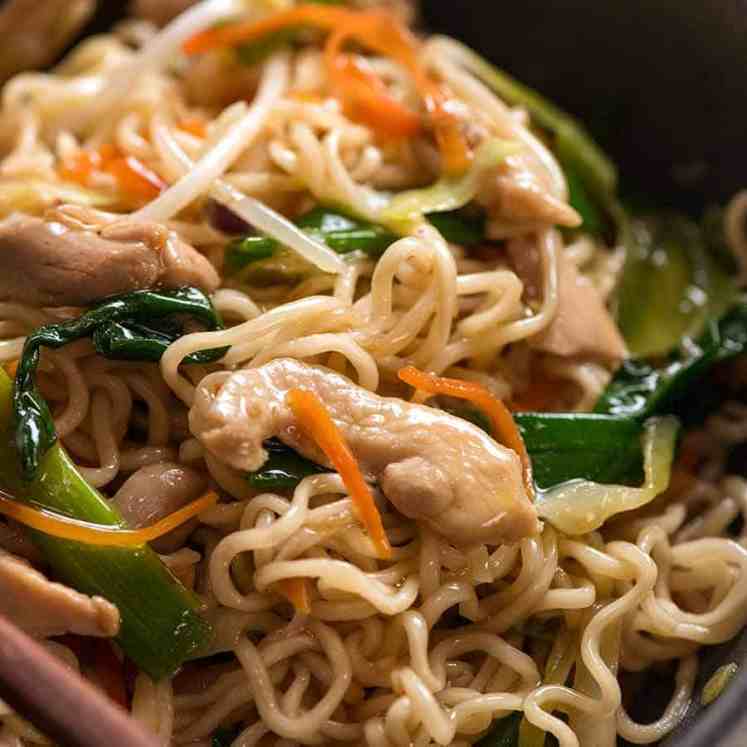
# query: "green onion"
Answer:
x=160 y=622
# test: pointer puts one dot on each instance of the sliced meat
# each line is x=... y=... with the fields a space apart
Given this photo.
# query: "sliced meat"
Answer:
x=156 y=491
x=44 y=608
x=159 y=12
x=515 y=194
x=432 y=466
x=34 y=33
x=582 y=325
x=50 y=263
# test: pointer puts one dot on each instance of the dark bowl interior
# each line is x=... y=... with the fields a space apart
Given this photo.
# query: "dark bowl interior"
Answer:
x=661 y=85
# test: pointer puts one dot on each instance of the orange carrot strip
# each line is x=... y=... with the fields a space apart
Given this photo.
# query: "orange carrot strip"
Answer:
x=319 y=426
x=297 y=592
x=321 y=16
x=131 y=174
x=504 y=426
x=65 y=527
x=193 y=126
x=135 y=178
x=10 y=368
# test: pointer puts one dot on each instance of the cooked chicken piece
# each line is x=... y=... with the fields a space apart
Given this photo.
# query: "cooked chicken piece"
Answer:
x=44 y=608
x=434 y=467
x=514 y=194
x=156 y=491
x=34 y=33
x=582 y=325
x=48 y=263
x=160 y=12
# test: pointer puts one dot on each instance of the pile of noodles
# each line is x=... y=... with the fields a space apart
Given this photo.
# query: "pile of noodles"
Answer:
x=433 y=645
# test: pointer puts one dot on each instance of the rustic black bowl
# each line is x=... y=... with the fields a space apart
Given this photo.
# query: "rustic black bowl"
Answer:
x=661 y=83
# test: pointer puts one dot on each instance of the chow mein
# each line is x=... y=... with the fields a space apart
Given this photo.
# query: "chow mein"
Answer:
x=346 y=401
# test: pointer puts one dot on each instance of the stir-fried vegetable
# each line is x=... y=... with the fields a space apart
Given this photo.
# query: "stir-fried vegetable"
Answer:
x=136 y=326
x=581 y=506
x=344 y=234
x=160 y=622
x=316 y=422
x=640 y=389
x=409 y=208
x=670 y=286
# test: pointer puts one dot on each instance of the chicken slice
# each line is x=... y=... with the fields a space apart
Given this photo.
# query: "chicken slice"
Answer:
x=53 y=263
x=44 y=608
x=434 y=467
x=582 y=326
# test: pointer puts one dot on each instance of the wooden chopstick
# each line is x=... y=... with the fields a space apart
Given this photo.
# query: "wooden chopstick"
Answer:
x=58 y=701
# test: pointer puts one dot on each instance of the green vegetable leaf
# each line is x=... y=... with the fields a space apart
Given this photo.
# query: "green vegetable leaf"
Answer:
x=136 y=326
x=161 y=626
x=640 y=389
x=670 y=284
x=458 y=228
x=598 y=448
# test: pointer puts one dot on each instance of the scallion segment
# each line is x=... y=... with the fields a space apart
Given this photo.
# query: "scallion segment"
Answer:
x=161 y=626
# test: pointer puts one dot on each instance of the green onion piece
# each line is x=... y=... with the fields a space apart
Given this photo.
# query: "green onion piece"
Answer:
x=718 y=682
x=160 y=621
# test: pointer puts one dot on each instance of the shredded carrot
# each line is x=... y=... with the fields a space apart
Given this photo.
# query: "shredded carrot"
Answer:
x=364 y=94
x=504 y=426
x=194 y=126
x=319 y=426
x=132 y=176
x=297 y=592
x=10 y=368
x=308 y=97
x=65 y=527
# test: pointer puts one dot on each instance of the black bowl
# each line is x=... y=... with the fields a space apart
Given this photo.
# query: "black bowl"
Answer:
x=661 y=85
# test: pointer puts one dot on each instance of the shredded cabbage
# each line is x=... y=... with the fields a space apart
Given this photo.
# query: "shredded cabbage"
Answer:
x=579 y=506
x=407 y=209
